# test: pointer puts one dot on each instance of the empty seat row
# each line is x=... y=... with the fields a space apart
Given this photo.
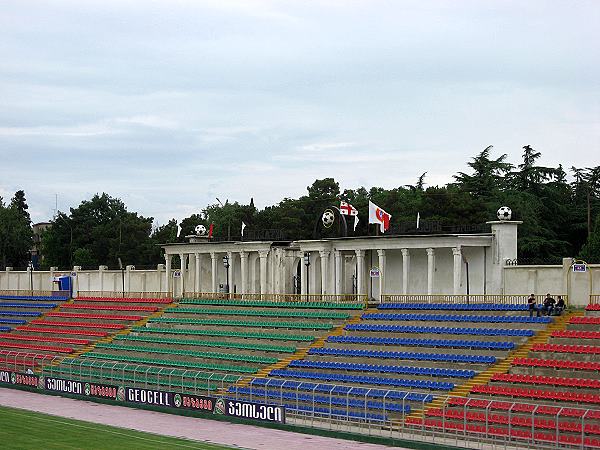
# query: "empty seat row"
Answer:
x=556 y=364
x=31 y=329
x=125 y=299
x=267 y=313
x=111 y=307
x=346 y=402
x=42 y=348
x=13 y=321
x=455 y=306
x=29 y=305
x=529 y=408
x=170 y=363
x=558 y=348
x=343 y=378
x=537 y=394
x=420 y=384
x=438 y=330
x=518 y=433
x=175 y=341
x=34 y=297
x=58 y=340
x=50 y=323
x=552 y=381
x=21 y=313
x=519 y=421
x=585 y=320
x=244 y=323
x=93 y=316
x=487 y=345
x=341 y=390
x=576 y=334
x=455 y=318
x=2 y=328
x=191 y=353
x=406 y=370
x=265 y=303
x=227 y=333
x=404 y=355
x=594 y=307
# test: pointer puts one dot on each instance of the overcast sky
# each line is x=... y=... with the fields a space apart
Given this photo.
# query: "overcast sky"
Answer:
x=169 y=104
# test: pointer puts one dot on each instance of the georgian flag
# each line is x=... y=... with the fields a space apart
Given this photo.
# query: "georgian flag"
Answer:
x=346 y=209
x=378 y=215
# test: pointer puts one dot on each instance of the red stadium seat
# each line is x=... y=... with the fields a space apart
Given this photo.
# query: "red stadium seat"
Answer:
x=585 y=320
x=43 y=348
x=108 y=326
x=556 y=364
x=125 y=300
x=58 y=340
x=111 y=307
x=93 y=316
x=558 y=348
x=31 y=329
x=553 y=381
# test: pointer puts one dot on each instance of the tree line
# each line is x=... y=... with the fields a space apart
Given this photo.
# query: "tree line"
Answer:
x=560 y=217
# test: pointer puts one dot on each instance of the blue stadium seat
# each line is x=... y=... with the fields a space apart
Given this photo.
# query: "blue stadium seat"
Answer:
x=423 y=342
x=404 y=355
x=438 y=330
x=29 y=305
x=13 y=321
x=21 y=313
x=456 y=318
x=455 y=307
x=5 y=329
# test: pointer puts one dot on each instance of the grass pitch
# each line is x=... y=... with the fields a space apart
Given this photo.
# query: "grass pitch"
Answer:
x=21 y=429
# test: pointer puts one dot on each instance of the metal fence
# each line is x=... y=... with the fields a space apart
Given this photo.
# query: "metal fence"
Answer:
x=463 y=298
x=33 y=293
x=123 y=294
x=473 y=423
x=282 y=298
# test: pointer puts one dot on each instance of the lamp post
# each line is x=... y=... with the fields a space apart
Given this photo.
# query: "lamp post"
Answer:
x=226 y=265
x=307 y=264
x=30 y=265
x=122 y=275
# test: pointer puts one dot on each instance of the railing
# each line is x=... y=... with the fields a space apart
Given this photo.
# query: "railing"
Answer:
x=33 y=293
x=121 y=294
x=280 y=298
x=594 y=299
x=525 y=424
x=463 y=298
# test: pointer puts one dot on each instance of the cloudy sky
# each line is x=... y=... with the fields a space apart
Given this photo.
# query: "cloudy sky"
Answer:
x=169 y=104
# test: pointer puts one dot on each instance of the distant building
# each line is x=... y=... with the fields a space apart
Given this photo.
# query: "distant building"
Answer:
x=36 y=255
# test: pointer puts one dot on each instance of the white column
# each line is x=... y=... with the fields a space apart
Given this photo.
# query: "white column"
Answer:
x=381 y=257
x=456 y=251
x=324 y=270
x=213 y=266
x=360 y=271
x=230 y=272
x=338 y=272
x=197 y=273
x=168 y=259
x=183 y=260
x=303 y=277
x=244 y=272
x=263 y=270
x=405 y=270
x=430 y=270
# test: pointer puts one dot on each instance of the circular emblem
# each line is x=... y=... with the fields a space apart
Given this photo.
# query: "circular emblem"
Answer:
x=220 y=406
x=121 y=393
x=13 y=378
x=42 y=382
x=177 y=400
x=87 y=389
x=328 y=218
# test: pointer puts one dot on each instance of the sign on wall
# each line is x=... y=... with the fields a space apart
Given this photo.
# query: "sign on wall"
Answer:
x=580 y=267
x=375 y=272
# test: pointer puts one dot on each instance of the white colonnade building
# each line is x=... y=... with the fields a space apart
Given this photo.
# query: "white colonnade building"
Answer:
x=371 y=266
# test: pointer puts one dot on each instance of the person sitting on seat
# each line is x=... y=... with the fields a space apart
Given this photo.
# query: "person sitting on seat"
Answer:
x=531 y=306
x=549 y=303
x=560 y=306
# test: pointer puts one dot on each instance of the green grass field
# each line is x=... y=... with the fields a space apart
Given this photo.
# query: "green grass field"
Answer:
x=21 y=429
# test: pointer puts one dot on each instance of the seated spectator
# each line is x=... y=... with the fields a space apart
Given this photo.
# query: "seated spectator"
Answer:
x=548 y=306
x=560 y=306
x=532 y=306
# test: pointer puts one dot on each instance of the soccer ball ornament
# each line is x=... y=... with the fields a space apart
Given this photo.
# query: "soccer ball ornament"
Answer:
x=328 y=218
x=504 y=213
x=200 y=230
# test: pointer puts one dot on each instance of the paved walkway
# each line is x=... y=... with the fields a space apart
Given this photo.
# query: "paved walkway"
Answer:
x=213 y=431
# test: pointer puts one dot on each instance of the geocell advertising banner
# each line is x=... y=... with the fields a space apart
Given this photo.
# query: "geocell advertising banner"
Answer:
x=22 y=379
x=169 y=399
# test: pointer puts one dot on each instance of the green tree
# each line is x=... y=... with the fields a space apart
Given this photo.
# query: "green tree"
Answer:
x=488 y=174
x=16 y=234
